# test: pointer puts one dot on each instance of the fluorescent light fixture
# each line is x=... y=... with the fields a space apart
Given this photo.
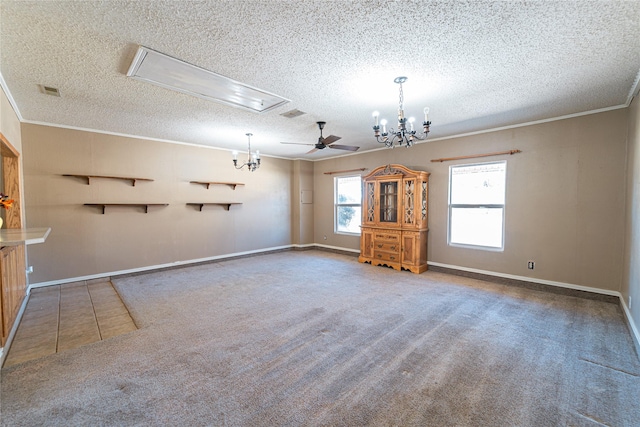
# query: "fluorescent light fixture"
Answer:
x=171 y=73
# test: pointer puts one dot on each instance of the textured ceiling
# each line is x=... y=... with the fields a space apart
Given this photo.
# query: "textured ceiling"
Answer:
x=477 y=65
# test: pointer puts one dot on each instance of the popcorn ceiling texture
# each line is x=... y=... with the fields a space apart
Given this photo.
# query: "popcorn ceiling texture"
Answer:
x=477 y=65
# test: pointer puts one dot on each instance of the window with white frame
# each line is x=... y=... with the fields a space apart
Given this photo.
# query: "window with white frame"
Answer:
x=476 y=205
x=347 y=204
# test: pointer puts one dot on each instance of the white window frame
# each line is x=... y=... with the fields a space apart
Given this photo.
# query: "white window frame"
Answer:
x=478 y=206
x=337 y=205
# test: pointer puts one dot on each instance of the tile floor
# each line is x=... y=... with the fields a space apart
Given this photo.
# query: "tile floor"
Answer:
x=63 y=317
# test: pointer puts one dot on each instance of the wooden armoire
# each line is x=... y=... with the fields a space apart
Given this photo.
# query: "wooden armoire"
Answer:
x=394 y=218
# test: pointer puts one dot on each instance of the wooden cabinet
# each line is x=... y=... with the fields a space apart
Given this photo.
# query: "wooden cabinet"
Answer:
x=13 y=286
x=13 y=279
x=395 y=218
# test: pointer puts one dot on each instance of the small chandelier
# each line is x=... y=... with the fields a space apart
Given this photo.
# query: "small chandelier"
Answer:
x=402 y=135
x=253 y=159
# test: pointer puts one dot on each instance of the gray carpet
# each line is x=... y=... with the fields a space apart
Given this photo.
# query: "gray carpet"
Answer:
x=314 y=338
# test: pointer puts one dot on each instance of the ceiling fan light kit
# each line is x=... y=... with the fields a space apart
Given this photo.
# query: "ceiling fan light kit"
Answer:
x=253 y=159
x=401 y=136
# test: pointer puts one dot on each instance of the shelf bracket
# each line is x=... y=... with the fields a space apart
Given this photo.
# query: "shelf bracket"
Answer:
x=121 y=178
x=103 y=206
x=225 y=205
x=208 y=184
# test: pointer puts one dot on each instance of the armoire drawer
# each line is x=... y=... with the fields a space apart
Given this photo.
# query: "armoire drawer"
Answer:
x=387 y=256
x=388 y=237
x=382 y=245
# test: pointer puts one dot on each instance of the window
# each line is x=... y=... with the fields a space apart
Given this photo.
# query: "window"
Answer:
x=347 y=202
x=476 y=205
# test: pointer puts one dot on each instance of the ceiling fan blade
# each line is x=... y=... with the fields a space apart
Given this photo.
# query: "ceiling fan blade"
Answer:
x=295 y=143
x=313 y=150
x=331 y=139
x=344 y=147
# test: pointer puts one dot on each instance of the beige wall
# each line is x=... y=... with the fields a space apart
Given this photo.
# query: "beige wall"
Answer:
x=9 y=122
x=565 y=201
x=565 y=198
x=631 y=281
x=84 y=242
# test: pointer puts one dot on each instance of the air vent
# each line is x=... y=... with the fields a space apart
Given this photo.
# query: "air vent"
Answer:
x=48 y=90
x=293 y=113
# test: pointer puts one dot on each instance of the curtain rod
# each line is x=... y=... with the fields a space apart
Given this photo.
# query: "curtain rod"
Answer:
x=446 y=159
x=347 y=170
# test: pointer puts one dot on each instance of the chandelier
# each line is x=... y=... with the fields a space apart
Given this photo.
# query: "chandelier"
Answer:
x=401 y=136
x=253 y=159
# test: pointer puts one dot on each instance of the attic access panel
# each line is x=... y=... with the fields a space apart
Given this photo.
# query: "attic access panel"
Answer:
x=171 y=73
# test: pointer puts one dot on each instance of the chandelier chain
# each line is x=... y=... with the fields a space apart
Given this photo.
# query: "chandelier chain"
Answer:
x=401 y=103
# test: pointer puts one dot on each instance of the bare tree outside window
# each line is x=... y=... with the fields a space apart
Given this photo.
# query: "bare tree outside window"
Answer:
x=347 y=202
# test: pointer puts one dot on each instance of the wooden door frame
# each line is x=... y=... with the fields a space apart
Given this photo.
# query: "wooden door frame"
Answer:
x=11 y=179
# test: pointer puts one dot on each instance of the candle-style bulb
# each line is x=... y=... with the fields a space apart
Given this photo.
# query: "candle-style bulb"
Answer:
x=383 y=122
x=426 y=114
x=257 y=154
x=411 y=120
x=235 y=155
x=376 y=116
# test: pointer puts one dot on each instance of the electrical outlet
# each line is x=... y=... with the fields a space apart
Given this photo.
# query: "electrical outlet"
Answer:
x=530 y=265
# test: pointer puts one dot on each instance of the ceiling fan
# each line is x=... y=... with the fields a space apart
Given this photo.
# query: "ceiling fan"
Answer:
x=325 y=142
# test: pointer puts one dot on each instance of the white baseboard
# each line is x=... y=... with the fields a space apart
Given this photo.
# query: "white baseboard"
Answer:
x=634 y=330
x=185 y=263
x=318 y=245
x=528 y=279
x=156 y=267
x=632 y=325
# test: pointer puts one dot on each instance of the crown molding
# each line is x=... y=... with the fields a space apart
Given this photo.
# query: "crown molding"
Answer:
x=635 y=87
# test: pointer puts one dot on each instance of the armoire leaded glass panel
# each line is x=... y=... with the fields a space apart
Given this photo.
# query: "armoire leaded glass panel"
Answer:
x=424 y=200
x=409 y=196
x=371 y=200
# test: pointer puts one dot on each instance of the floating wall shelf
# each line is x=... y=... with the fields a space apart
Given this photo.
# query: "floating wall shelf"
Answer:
x=122 y=178
x=135 y=205
x=226 y=205
x=207 y=184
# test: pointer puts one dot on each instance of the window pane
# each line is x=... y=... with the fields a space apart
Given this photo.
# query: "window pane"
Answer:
x=348 y=200
x=478 y=184
x=477 y=226
x=349 y=190
x=349 y=218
